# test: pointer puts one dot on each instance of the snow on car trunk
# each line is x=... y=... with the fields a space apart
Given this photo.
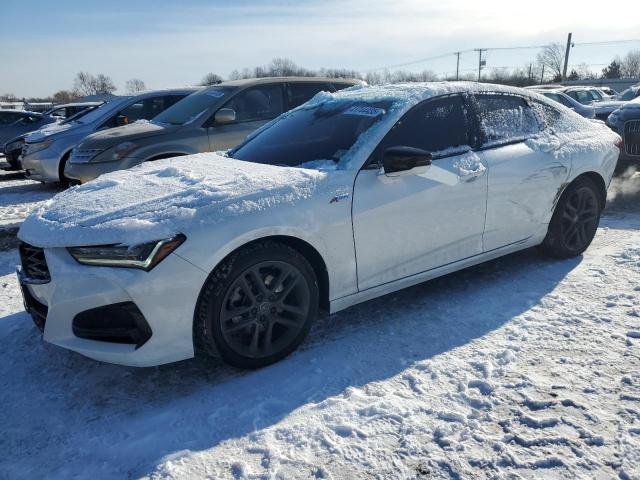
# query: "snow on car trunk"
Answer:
x=159 y=199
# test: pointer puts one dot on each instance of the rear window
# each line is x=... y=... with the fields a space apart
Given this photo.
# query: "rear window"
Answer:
x=505 y=118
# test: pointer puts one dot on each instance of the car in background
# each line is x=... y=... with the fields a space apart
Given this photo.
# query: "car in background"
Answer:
x=592 y=96
x=13 y=146
x=351 y=196
x=46 y=151
x=629 y=94
x=609 y=91
x=626 y=122
x=216 y=118
x=562 y=98
x=17 y=122
x=68 y=110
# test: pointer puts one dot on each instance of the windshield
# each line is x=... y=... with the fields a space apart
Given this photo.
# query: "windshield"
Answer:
x=81 y=113
x=628 y=94
x=98 y=113
x=190 y=107
x=323 y=132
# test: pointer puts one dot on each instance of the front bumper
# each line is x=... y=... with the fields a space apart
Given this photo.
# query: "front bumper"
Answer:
x=85 y=172
x=42 y=166
x=166 y=297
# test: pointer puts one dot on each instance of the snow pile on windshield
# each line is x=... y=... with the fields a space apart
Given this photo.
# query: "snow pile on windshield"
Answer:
x=158 y=199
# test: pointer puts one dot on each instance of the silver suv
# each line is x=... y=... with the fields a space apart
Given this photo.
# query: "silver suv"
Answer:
x=46 y=151
x=216 y=118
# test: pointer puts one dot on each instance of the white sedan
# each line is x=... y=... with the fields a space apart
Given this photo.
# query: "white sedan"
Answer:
x=351 y=196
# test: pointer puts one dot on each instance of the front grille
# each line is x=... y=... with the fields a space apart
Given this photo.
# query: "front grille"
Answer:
x=36 y=309
x=34 y=263
x=632 y=137
x=83 y=155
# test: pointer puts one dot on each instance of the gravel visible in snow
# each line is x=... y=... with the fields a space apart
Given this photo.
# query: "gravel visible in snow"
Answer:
x=524 y=367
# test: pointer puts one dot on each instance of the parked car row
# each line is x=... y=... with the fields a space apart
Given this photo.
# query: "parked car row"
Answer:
x=16 y=124
x=130 y=130
x=352 y=195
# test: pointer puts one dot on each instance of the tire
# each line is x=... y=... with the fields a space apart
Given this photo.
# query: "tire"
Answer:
x=575 y=220
x=257 y=306
x=12 y=160
x=62 y=180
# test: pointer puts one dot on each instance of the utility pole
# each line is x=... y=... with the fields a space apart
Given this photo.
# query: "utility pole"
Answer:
x=481 y=62
x=457 y=65
x=566 y=57
x=530 y=70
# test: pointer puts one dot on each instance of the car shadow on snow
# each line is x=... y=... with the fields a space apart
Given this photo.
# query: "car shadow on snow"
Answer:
x=195 y=405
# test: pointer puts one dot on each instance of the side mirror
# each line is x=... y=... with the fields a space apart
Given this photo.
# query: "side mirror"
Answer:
x=225 y=116
x=404 y=159
x=122 y=120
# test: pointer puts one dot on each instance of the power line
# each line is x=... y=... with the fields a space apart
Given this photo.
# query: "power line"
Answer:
x=522 y=47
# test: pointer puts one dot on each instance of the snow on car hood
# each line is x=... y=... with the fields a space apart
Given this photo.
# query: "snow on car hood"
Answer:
x=134 y=131
x=49 y=130
x=162 y=198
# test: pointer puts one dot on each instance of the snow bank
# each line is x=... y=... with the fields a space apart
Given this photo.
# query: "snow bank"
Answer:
x=159 y=199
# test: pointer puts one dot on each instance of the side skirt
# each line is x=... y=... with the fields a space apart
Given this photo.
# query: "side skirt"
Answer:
x=374 y=292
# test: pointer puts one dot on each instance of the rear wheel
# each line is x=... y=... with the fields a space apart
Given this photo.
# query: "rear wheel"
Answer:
x=258 y=306
x=575 y=220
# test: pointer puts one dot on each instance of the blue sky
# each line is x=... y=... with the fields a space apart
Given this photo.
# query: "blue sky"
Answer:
x=168 y=43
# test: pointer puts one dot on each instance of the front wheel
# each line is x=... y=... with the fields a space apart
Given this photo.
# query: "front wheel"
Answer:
x=575 y=220
x=258 y=306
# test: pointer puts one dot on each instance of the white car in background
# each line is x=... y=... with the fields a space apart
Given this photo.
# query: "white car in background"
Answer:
x=353 y=195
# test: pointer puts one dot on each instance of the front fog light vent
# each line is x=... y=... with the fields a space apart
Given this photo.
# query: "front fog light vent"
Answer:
x=117 y=323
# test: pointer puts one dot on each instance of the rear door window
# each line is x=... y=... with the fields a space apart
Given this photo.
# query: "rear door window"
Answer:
x=263 y=102
x=302 y=92
x=505 y=118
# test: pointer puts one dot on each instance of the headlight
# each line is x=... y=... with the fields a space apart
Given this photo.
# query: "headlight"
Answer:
x=123 y=150
x=84 y=155
x=38 y=146
x=612 y=119
x=144 y=256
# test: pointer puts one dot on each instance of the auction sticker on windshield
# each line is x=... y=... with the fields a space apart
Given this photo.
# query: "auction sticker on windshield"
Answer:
x=364 y=111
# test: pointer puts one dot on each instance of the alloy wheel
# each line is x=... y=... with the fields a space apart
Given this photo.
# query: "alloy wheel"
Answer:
x=580 y=218
x=265 y=309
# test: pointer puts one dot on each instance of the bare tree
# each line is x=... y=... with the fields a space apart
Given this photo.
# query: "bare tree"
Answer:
x=631 y=64
x=86 y=83
x=63 y=96
x=284 y=67
x=135 y=85
x=552 y=57
x=8 y=97
x=210 y=79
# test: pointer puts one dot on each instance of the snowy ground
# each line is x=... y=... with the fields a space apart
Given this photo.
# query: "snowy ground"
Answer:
x=520 y=368
x=19 y=196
